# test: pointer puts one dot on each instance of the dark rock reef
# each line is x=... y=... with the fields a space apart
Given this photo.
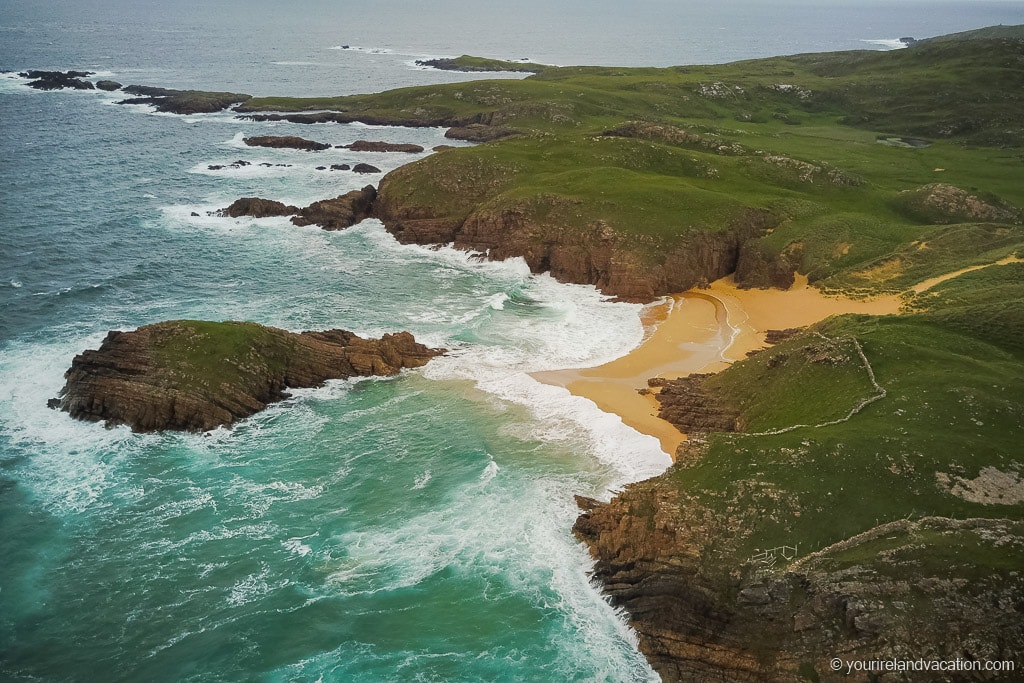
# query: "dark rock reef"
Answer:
x=378 y=146
x=58 y=80
x=183 y=101
x=195 y=376
x=286 y=142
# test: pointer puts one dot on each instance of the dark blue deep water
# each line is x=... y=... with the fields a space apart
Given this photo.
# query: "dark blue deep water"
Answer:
x=408 y=529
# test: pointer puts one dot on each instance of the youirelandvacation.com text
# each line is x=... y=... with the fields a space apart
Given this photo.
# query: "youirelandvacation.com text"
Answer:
x=940 y=665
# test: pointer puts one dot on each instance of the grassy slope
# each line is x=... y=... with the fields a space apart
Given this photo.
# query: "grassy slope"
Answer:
x=954 y=378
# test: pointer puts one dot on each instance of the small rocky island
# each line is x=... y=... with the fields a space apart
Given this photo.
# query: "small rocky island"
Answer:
x=192 y=375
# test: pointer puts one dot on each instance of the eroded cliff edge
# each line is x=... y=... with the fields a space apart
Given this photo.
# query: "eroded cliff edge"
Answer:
x=195 y=376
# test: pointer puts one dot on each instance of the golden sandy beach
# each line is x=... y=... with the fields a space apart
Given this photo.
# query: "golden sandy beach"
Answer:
x=700 y=331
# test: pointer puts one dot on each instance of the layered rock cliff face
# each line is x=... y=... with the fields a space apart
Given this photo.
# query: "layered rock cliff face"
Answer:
x=885 y=594
x=597 y=254
x=195 y=376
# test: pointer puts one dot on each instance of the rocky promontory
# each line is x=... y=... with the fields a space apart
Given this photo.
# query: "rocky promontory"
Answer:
x=195 y=376
x=338 y=213
x=182 y=101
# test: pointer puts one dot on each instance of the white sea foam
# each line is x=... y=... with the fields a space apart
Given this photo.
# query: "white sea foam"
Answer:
x=515 y=536
x=422 y=480
x=74 y=464
x=888 y=43
x=569 y=326
x=367 y=50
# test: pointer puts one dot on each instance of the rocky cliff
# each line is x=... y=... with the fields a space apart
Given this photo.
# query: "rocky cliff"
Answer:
x=616 y=262
x=885 y=594
x=195 y=376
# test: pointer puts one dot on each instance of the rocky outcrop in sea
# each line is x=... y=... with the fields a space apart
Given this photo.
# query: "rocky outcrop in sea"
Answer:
x=195 y=376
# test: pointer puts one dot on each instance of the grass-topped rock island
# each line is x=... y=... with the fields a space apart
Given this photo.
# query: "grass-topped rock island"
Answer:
x=855 y=486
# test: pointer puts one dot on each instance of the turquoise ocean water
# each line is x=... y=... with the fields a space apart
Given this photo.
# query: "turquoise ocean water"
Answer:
x=414 y=528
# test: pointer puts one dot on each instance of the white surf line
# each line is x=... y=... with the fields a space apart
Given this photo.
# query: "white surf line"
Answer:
x=879 y=395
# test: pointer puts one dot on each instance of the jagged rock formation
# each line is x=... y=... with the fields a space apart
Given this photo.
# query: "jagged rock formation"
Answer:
x=196 y=376
x=330 y=214
x=339 y=213
x=107 y=85
x=285 y=142
x=258 y=208
x=672 y=135
x=880 y=595
x=941 y=203
x=365 y=168
x=377 y=146
x=685 y=404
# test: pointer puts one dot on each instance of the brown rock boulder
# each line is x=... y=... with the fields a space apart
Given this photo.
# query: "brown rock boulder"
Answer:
x=195 y=376
x=258 y=208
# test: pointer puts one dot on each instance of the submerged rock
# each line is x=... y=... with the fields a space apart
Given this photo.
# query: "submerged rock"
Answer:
x=193 y=375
